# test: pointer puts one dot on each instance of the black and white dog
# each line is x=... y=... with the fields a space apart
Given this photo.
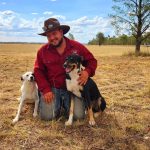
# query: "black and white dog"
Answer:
x=89 y=92
x=29 y=94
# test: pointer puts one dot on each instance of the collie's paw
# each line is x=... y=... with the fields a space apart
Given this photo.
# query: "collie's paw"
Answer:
x=15 y=120
x=97 y=114
x=68 y=123
x=92 y=122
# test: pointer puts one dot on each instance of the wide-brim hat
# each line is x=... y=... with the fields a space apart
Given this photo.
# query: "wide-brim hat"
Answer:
x=52 y=24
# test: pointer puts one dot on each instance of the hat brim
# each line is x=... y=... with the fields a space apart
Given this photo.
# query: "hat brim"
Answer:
x=65 y=29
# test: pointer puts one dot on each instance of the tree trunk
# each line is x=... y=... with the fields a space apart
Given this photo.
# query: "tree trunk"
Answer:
x=137 y=47
x=138 y=43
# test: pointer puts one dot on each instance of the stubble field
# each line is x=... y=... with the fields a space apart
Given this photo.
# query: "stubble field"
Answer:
x=124 y=82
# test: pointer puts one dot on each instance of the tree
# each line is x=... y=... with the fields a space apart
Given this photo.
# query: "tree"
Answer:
x=123 y=39
x=132 y=16
x=70 y=36
x=100 y=38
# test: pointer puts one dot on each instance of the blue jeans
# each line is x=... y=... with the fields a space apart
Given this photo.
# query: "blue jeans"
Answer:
x=49 y=111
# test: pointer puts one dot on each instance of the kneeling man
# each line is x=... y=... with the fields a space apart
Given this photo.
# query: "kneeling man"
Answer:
x=50 y=74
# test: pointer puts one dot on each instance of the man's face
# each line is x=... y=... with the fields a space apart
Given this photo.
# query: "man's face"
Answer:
x=55 y=37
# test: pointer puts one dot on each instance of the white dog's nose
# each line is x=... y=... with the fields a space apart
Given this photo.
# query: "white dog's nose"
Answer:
x=31 y=78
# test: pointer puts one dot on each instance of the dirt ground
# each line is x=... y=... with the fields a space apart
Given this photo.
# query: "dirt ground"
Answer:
x=125 y=125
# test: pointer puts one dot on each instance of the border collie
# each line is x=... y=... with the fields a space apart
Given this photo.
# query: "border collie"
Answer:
x=93 y=100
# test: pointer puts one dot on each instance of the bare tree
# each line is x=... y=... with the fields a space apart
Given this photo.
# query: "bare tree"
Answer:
x=100 y=38
x=134 y=17
x=71 y=36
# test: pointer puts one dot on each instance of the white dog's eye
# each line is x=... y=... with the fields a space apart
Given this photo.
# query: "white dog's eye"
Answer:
x=27 y=75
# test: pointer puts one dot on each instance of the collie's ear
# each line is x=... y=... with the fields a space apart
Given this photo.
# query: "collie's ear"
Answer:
x=21 y=78
x=80 y=59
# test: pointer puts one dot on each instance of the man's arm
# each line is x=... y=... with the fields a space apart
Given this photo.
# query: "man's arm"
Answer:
x=89 y=62
x=40 y=74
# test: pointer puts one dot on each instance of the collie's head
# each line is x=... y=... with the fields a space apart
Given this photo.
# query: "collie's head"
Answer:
x=72 y=62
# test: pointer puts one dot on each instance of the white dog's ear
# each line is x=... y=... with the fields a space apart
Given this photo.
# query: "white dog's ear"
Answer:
x=22 y=78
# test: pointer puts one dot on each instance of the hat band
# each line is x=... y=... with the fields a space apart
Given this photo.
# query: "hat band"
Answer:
x=49 y=27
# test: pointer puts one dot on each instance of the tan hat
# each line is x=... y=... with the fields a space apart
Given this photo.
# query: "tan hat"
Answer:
x=51 y=24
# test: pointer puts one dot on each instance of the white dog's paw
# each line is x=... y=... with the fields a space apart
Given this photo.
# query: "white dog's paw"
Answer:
x=15 y=120
x=35 y=114
x=92 y=122
x=19 y=98
x=68 y=123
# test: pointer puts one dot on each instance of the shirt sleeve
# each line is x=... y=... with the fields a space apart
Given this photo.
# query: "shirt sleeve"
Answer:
x=40 y=74
x=89 y=62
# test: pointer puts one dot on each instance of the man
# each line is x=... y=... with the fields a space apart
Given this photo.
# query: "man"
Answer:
x=50 y=73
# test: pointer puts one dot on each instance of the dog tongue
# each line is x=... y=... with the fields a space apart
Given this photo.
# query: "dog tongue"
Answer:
x=67 y=69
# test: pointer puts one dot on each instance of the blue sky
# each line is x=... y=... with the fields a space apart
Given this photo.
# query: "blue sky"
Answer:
x=22 y=20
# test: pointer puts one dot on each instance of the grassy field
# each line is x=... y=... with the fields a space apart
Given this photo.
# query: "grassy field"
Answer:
x=124 y=82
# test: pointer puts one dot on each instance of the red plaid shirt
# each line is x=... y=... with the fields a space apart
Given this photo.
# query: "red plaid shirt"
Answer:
x=48 y=69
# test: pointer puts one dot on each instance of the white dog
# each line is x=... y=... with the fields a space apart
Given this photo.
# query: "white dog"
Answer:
x=29 y=94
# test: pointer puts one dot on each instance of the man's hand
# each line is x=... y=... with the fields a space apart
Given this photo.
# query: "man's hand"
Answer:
x=48 y=97
x=83 y=77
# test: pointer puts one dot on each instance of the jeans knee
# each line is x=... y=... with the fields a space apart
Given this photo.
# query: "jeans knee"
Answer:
x=79 y=116
x=79 y=109
x=46 y=117
x=46 y=111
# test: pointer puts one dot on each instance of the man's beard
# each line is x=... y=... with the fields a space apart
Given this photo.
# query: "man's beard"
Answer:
x=59 y=44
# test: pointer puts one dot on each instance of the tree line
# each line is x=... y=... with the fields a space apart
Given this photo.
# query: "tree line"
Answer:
x=123 y=39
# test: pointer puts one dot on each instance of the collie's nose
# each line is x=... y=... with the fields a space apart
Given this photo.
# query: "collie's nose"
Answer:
x=65 y=65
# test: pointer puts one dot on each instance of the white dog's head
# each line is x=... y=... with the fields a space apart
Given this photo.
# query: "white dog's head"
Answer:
x=28 y=76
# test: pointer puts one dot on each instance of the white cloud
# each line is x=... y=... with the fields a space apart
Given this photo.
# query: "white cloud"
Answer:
x=76 y=29
x=84 y=28
x=47 y=13
x=53 y=0
x=34 y=13
x=7 y=12
x=59 y=17
x=25 y=24
x=7 y=18
x=23 y=39
x=3 y=3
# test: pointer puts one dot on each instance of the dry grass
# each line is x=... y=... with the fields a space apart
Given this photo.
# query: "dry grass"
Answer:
x=123 y=81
